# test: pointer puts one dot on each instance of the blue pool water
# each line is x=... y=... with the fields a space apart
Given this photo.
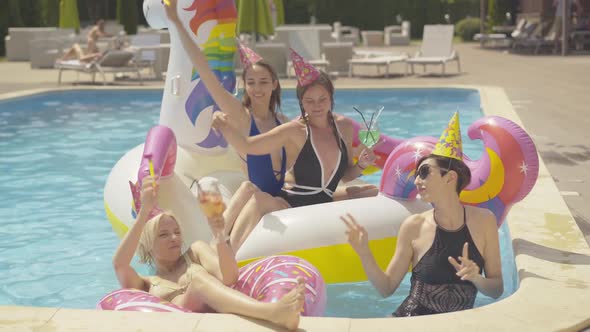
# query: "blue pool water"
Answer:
x=57 y=149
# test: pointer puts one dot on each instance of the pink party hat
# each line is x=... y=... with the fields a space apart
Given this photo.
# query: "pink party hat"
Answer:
x=306 y=73
x=247 y=56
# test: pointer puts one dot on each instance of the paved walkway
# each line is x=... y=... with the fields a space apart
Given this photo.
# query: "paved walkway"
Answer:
x=551 y=94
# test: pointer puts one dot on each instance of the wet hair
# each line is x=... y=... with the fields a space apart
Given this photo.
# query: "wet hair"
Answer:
x=148 y=236
x=447 y=164
x=325 y=81
x=275 y=97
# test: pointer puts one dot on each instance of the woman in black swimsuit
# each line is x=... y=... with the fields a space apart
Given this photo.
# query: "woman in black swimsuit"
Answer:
x=318 y=146
x=449 y=246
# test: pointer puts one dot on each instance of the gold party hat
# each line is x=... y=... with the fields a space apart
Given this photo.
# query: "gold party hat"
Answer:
x=449 y=144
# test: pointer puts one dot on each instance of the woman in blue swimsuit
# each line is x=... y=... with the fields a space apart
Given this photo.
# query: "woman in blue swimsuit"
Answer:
x=256 y=113
x=317 y=145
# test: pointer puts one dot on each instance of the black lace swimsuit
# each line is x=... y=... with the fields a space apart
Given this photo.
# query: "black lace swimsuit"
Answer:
x=435 y=287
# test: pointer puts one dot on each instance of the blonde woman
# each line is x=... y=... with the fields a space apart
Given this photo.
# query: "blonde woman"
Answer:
x=199 y=278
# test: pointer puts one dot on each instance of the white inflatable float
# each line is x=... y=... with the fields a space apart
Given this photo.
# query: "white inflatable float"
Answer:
x=184 y=148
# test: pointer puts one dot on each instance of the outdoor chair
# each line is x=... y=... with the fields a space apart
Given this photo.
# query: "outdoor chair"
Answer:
x=381 y=62
x=111 y=62
x=500 y=39
x=275 y=54
x=338 y=54
x=534 y=38
x=343 y=33
x=307 y=43
x=436 y=48
x=146 y=47
x=372 y=38
x=397 y=34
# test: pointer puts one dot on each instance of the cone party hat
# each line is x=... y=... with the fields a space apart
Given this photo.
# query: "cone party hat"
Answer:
x=449 y=144
x=305 y=72
x=247 y=56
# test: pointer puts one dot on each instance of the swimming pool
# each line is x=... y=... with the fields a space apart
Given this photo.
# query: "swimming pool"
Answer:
x=57 y=149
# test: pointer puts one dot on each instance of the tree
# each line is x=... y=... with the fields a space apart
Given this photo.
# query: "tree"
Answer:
x=50 y=12
x=127 y=15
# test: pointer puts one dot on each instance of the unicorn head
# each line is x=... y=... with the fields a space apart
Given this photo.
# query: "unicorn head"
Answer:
x=187 y=107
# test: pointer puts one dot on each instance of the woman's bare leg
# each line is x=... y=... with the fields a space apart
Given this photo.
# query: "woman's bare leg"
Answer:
x=236 y=204
x=207 y=290
x=355 y=191
x=259 y=204
x=69 y=54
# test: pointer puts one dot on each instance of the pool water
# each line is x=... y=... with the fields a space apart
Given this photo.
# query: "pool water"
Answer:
x=57 y=149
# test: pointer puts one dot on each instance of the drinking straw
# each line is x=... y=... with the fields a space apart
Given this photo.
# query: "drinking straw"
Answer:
x=152 y=173
x=370 y=125
x=362 y=116
x=379 y=113
x=195 y=181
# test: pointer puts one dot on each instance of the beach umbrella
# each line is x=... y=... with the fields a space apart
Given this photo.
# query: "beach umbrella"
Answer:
x=68 y=14
x=254 y=17
x=277 y=12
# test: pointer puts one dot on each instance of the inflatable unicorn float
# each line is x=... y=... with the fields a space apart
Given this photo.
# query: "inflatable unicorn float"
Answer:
x=183 y=147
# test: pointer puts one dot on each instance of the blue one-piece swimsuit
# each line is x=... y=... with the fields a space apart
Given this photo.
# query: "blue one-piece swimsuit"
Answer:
x=260 y=170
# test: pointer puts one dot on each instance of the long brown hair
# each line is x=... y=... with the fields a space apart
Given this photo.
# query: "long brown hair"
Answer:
x=325 y=81
x=275 y=97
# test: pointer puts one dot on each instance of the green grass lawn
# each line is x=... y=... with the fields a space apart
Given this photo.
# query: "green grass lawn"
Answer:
x=2 y=59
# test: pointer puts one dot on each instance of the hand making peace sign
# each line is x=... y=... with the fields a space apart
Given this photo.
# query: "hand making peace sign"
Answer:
x=468 y=269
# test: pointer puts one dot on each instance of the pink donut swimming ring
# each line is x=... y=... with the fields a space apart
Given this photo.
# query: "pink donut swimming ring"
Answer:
x=266 y=280
x=136 y=300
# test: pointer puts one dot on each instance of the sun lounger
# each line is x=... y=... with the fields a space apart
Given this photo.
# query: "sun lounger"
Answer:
x=380 y=62
x=436 y=48
x=111 y=62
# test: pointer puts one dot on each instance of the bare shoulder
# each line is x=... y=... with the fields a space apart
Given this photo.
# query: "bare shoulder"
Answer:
x=412 y=225
x=343 y=122
x=481 y=216
x=344 y=125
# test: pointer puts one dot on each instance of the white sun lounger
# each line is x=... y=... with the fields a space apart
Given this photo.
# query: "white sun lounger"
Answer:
x=382 y=61
x=436 y=48
x=111 y=62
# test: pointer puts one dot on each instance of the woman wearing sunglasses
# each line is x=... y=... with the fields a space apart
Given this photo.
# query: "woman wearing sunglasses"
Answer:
x=453 y=249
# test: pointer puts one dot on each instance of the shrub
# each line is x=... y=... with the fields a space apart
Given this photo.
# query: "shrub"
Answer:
x=467 y=28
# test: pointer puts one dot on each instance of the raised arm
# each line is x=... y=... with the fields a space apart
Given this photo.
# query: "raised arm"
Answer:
x=226 y=101
x=386 y=282
x=219 y=261
x=261 y=144
x=127 y=276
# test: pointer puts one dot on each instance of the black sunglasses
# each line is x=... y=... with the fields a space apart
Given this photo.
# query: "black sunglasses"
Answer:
x=424 y=171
